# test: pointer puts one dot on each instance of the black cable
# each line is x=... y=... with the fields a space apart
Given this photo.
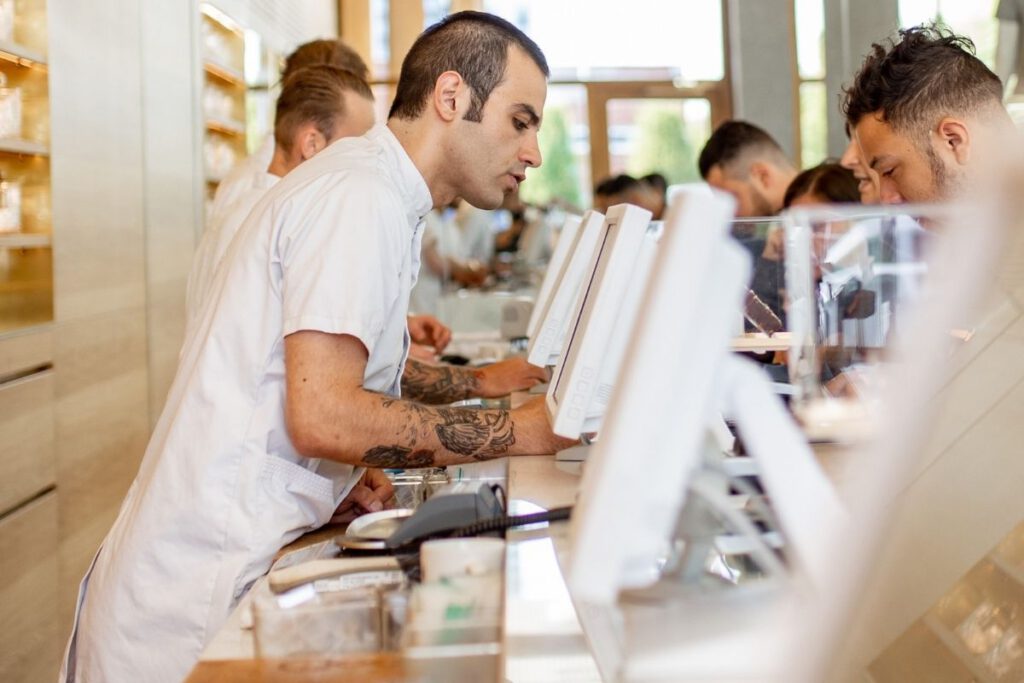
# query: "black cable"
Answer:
x=408 y=554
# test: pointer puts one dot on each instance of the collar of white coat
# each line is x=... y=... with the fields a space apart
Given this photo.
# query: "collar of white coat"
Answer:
x=413 y=187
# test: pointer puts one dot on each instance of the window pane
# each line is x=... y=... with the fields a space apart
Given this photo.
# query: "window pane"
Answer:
x=813 y=123
x=658 y=136
x=810 y=38
x=380 y=36
x=564 y=175
x=435 y=10
x=579 y=36
x=976 y=20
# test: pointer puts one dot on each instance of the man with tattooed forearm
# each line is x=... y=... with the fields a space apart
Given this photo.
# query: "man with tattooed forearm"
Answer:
x=330 y=415
x=291 y=380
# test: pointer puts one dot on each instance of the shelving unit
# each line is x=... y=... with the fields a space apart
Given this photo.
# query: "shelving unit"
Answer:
x=26 y=261
x=938 y=638
x=223 y=95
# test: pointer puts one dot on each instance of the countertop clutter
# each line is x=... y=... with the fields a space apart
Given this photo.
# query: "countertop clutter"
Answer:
x=523 y=622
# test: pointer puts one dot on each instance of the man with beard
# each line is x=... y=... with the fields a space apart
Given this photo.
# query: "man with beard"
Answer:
x=926 y=115
x=745 y=161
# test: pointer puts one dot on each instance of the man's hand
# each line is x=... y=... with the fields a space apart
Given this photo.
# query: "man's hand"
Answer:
x=429 y=331
x=374 y=492
x=535 y=429
x=422 y=353
x=504 y=377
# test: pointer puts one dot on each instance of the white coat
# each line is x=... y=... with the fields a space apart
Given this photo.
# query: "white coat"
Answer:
x=334 y=247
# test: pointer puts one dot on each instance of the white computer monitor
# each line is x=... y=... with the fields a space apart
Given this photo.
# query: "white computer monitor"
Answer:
x=677 y=378
x=566 y=241
x=605 y=309
x=545 y=346
x=660 y=404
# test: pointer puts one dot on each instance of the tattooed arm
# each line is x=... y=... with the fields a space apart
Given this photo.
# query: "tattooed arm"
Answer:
x=330 y=415
x=428 y=383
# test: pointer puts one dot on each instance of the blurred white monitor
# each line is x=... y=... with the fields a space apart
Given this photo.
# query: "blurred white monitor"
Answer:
x=545 y=346
x=665 y=411
x=658 y=416
x=680 y=189
x=599 y=330
x=566 y=241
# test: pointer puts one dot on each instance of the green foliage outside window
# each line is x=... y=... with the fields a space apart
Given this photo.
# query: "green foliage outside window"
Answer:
x=557 y=177
x=663 y=145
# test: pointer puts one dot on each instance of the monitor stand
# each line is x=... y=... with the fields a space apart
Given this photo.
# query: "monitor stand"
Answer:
x=577 y=453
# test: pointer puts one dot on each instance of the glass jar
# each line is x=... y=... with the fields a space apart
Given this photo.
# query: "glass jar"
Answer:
x=10 y=206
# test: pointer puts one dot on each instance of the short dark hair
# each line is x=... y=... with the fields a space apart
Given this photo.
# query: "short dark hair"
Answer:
x=314 y=94
x=656 y=181
x=616 y=185
x=473 y=44
x=734 y=139
x=330 y=52
x=928 y=72
x=828 y=180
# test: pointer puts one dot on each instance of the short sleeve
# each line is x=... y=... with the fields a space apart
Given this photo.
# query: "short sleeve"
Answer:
x=340 y=257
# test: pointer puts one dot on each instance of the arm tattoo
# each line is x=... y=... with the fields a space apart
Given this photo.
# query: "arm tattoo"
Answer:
x=398 y=456
x=438 y=383
x=475 y=434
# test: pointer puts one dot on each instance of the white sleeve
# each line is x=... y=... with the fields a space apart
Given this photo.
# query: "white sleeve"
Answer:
x=341 y=258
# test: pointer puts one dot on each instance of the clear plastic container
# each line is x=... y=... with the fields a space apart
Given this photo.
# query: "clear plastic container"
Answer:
x=305 y=622
x=10 y=206
x=10 y=110
x=7 y=20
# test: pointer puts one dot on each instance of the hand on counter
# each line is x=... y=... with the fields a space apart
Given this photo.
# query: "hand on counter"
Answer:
x=373 y=492
x=511 y=374
x=536 y=434
x=429 y=331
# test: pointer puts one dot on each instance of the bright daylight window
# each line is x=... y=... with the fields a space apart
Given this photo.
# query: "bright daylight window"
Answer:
x=814 y=101
x=973 y=18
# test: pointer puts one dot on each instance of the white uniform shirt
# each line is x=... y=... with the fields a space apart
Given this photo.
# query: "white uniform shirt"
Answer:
x=242 y=178
x=214 y=244
x=334 y=247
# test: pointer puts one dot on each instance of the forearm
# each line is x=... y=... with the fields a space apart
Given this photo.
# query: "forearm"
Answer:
x=380 y=431
x=428 y=383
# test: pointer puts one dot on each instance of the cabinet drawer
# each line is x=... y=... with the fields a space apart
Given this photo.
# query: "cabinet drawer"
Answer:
x=27 y=453
x=25 y=350
x=29 y=646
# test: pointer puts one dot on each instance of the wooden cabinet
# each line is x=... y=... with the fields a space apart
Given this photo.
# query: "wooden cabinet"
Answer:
x=29 y=640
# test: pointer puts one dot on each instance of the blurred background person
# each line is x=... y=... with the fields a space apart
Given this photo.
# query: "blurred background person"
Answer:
x=250 y=171
x=442 y=260
x=745 y=161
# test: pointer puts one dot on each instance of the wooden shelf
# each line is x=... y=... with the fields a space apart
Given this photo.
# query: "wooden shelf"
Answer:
x=224 y=73
x=21 y=55
x=225 y=126
x=25 y=147
x=1007 y=567
x=20 y=324
x=25 y=240
x=953 y=643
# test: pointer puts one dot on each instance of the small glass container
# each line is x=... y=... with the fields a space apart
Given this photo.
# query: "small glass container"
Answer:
x=10 y=206
x=7 y=20
x=10 y=110
x=307 y=622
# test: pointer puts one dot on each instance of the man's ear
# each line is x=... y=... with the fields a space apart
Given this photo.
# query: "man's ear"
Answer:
x=310 y=141
x=955 y=138
x=450 y=96
x=761 y=175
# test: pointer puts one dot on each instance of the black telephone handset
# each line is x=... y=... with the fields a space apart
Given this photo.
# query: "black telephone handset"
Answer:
x=453 y=507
